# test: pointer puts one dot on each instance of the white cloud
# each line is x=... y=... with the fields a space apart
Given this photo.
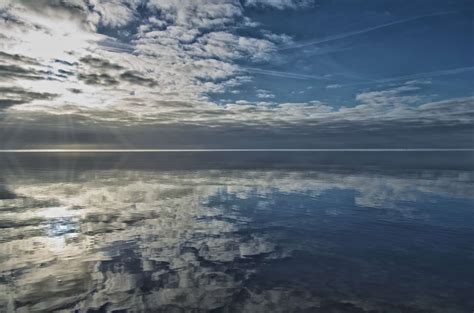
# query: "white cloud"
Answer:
x=181 y=53
x=197 y=14
x=280 y=4
x=402 y=95
x=114 y=13
x=264 y=94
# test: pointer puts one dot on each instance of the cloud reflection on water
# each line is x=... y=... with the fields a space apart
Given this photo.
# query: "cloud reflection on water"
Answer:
x=190 y=240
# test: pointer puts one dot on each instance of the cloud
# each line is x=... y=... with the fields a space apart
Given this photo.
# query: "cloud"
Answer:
x=400 y=105
x=374 y=112
x=204 y=14
x=264 y=94
x=113 y=13
x=8 y=72
x=283 y=74
x=98 y=79
x=177 y=58
x=17 y=58
x=298 y=45
x=403 y=95
x=181 y=51
x=92 y=13
x=136 y=78
x=10 y=96
x=98 y=63
x=280 y=4
x=227 y=46
x=15 y=66
x=414 y=76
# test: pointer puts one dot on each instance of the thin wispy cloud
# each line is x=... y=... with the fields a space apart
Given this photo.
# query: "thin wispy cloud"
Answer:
x=361 y=31
x=432 y=74
x=283 y=74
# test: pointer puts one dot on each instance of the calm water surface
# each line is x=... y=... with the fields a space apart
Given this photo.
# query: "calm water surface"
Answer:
x=115 y=233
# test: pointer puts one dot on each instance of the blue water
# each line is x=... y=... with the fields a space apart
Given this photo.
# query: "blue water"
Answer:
x=89 y=233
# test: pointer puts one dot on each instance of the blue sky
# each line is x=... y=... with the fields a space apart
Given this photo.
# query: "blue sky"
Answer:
x=283 y=70
x=357 y=47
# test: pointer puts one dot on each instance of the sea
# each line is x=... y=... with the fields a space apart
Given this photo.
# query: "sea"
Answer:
x=237 y=231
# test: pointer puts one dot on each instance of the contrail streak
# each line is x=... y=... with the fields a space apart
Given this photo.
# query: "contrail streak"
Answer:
x=362 y=31
x=458 y=70
x=283 y=74
x=453 y=71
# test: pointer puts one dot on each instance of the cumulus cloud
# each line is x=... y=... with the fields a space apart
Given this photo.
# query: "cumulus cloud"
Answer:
x=264 y=94
x=197 y=14
x=113 y=13
x=181 y=52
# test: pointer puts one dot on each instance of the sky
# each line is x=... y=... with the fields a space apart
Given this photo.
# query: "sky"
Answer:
x=236 y=74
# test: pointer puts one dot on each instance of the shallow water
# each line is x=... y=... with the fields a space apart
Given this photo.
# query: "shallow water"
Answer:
x=258 y=233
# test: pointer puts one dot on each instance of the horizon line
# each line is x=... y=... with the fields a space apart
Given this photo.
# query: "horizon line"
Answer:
x=237 y=150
